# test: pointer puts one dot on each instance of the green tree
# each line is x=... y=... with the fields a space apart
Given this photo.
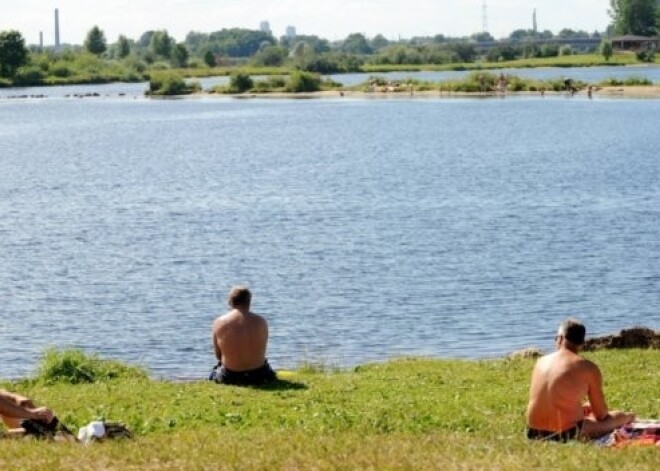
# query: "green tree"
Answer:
x=95 y=41
x=270 y=56
x=356 y=43
x=145 y=39
x=484 y=37
x=634 y=16
x=161 y=44
x=13 y=53
x=209 y=58
x=123 y=47
x=179 y=55
x=379 y=42
x=606 y=49
x=240 y=82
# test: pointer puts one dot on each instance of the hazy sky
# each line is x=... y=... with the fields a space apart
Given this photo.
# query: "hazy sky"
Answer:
x=332 y=19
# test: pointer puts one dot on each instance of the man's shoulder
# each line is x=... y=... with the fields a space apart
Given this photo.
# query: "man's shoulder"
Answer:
x=220 y=321
x=589 y=366
x=258 y=319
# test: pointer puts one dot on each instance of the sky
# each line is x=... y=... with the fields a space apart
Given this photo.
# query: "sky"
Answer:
x=331 y=19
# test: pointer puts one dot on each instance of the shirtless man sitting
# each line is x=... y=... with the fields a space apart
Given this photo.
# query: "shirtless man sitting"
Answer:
x=560 y=382
x=15 y=408
x=239 y=341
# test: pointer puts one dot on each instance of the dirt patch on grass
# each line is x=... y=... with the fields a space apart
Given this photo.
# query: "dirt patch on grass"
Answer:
x=637 y=337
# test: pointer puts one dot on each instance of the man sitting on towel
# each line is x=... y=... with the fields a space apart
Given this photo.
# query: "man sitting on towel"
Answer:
x=15 y=408
x=560 y=382
x=239 y=340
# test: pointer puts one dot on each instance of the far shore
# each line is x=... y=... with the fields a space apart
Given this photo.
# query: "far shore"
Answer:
x=650 y=91
x=623 y=91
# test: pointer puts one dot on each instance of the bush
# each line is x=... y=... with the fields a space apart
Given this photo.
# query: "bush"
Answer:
x=60 y=69
x=646 y=56
x=303 y=82
x=32 y=75
x=74 y=367
x=606 y=49
x=630 y=81
x=197 y=63
x=270 y=84
x=169 y=83
x=240 y=83
x=160 y=66
x=566 y=50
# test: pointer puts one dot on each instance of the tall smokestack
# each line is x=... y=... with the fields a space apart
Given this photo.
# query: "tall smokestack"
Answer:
x=41 y=41
x=57 y=29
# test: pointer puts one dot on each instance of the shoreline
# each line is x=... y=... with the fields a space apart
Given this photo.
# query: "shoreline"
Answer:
x=623 y=91
x=644 y=91
x=638 y=337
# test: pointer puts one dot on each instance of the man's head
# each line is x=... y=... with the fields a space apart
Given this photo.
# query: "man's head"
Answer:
x=240 y=297
x=572 y=333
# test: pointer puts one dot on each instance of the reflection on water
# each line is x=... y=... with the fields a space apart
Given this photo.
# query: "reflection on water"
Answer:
x=367 y=229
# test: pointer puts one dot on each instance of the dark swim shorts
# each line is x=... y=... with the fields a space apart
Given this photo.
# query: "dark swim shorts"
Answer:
x=256 y=377
x=572 y=433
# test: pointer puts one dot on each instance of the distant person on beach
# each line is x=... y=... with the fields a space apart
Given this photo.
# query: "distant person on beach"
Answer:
x=15 y=408
x=560 y=382
x=239 y=340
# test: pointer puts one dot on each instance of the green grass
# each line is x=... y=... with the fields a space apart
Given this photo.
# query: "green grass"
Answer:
x=404 y=414
x=582 y=60
x=474 y=82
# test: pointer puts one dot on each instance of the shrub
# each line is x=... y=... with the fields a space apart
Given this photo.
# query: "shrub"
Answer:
x=240 y=83
x=630 y=81
x=270 y=84
x=73 y=366
x=566 y=50
x=197 y=63
x=303 y=82
x=60 y=69
x=32 y=75
x=169 y=83
x=646 y=56
x=606 y=49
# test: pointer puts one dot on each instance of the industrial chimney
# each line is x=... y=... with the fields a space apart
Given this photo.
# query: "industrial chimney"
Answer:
x=57 y=29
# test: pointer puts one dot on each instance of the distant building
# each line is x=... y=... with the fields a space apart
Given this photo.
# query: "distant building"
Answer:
x=634 y=43
x=265 y=27
x=291 y=32
x=41 y=41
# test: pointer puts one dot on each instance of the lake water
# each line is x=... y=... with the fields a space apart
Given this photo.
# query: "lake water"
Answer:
x=367 y=229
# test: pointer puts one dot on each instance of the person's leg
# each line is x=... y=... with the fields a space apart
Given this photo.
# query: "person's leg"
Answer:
x=592 y=428
x=11 y=422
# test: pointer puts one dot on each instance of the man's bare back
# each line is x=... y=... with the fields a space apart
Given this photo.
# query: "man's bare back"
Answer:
x=560 y=382
x=240 y=340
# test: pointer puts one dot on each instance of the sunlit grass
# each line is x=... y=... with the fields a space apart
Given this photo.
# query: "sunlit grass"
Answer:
x=581 y=60
x=404 y=414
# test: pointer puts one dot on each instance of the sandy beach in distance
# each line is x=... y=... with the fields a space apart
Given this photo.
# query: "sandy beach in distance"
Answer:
x=651 y=91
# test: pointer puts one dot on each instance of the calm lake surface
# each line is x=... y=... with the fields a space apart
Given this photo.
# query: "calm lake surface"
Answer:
x=367 y=229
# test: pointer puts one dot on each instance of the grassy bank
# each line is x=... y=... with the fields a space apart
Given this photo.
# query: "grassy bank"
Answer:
x=405 y=414
x=582 y=60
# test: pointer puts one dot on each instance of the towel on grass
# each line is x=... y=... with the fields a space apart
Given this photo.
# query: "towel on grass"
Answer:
x=639 y=433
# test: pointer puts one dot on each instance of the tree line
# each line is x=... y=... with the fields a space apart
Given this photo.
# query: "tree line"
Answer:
x=129 y=59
